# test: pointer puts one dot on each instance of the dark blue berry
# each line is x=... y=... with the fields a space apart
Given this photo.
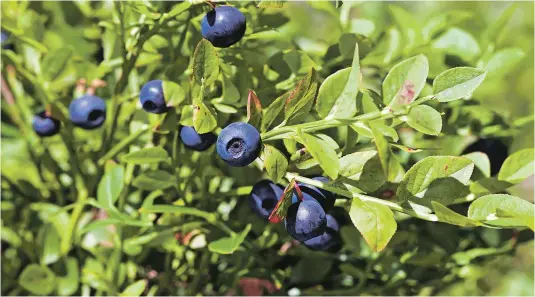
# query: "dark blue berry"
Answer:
x=45 y=125
x=4 y=37
x=152 y=98
x=325 y=198
x=88 y=112
x=195 y=141
x=239 y=144
x=264 y=197
x=223 y=26
x=493 y=148
x=329 y=239
x=305 y=220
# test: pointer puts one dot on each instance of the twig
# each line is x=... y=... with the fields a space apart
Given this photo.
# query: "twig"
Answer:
x=6 y=92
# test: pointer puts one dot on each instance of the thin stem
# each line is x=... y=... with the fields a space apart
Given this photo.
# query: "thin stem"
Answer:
x=122 y=145
x=345 y=193
x=287 y=131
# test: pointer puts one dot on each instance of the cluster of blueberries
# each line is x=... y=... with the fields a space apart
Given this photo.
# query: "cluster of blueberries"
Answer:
x=307 y=220
x=238 y=144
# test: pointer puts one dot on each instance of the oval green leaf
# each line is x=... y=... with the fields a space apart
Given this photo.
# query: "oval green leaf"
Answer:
x=457 y=83
x=425 y=119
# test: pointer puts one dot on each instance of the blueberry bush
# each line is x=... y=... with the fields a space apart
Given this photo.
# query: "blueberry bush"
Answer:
x=267 y=148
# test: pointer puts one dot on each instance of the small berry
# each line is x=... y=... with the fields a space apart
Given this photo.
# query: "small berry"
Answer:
x=305 y=220
x=239 y=144
x=329 y=239
x=152 y=98
x=493 y=148
x=195 y=141
x=45 y=125
x=223 y=26
x=88 y=112
x=323 y=197
x=264 y=197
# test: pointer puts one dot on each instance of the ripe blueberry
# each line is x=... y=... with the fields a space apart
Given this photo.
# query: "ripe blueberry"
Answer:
x=88 y=112
x=152 y=98
x=264 y=197
x=328 y=239
x=493 y=148
x=305 y=220
x=239 y=144
x=45 y=125
x=323 y=197
x=223 y=26
x=195 y=141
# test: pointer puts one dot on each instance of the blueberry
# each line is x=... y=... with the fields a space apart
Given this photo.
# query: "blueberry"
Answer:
x=239 y=144
x=329 y=239
x=152 y=98
x=88 y=112
x=264 y=197
x=493 y=148
x=4 y=37
x=223 y=26
x=325 y=198
x=305 y=220
x=195 y=141
x=45 y=125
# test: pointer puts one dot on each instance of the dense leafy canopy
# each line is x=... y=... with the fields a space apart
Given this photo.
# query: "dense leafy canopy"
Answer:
x=381 y=98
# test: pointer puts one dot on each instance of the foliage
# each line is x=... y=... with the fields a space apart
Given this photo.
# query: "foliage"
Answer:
x=382 y=98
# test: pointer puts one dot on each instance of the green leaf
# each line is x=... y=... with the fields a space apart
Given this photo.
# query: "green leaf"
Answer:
x=425 y=119
x=179 y=8
x=298 y=61
x=311 y=270
x=481 y=162
x=254 y=110
x=135 y=289
x=518 y=166
x=443 y=20
x=504 y=62
x=323 y=153
x=33 y=43
x=361 y=172
x=486 y=209
x=68 y=284
x=205 y=63
x=51 y=242
x=275 y=163
x=146 y=156
x=409 y=25
x=270 y=4
x=405 y=81
x=457 y=83
x=231 y=94
x=383 y=149
x=447 y=215
x=110 y=186
x=302 y=108
x=489 y=185
x=273 y=110
x=173 y=93
x=178 y=210
x=464 y=257
x=374 y=221
x=186 y=117
x=204 y=120
x=496 y=27
x=300 y=100
x=55 y=63
x=155 y=180
x=437 y=178
x=459 y=43
x=338 y=92
x=228 y=245
x=38 y=280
